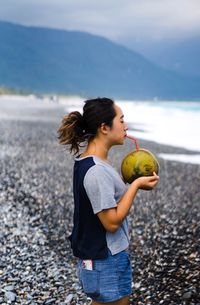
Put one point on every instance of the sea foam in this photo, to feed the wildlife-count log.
(170, 123)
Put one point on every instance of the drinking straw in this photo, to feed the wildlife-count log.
(135, 140)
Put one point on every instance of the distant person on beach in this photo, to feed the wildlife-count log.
(102, 201)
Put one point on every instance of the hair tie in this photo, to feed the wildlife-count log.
(81, 129)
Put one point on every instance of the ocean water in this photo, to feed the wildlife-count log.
(171, 123)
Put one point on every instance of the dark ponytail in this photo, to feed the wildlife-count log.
(76, 128)
(71, 131)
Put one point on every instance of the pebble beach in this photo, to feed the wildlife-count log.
(36, 204)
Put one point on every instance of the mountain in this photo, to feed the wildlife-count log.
(180, 56)
(70, 62)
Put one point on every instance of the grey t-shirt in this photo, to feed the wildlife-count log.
(104, 188)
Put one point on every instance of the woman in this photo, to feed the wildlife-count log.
(102, 201)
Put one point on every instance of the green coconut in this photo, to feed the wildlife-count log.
(137, 164)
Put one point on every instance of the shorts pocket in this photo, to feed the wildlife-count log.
(123, 262)
(90, 281)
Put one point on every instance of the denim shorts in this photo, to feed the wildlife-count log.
(110, 279)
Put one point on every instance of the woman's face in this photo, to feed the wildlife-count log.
(117, 132)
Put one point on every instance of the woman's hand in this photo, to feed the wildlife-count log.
(147, 183)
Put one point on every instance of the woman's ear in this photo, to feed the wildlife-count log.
(104, 128)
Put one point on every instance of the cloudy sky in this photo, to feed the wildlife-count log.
(136, 22)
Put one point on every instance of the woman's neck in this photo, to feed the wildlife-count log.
(97, 149)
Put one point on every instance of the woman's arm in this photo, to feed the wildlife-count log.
(112, 218)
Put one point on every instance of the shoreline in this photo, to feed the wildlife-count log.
(37, 266)
(51, 108)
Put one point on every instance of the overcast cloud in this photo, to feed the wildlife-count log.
(119, 20)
